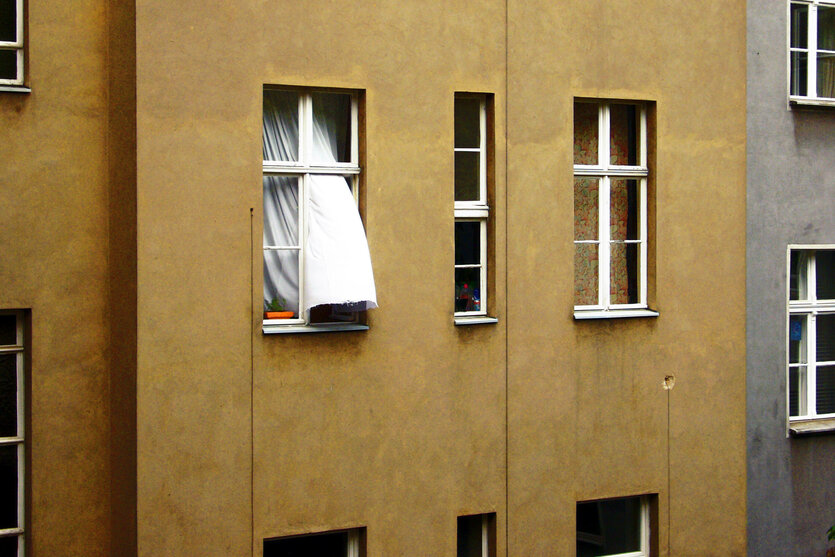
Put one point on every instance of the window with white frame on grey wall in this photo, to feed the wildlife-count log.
(473, 191)
(317, 265)
(811, 335)
(12, 434)
(611, 172)
(11, 42)
(812, 51)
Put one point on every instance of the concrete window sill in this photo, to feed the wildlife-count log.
(296, 329)
(801, 102)
(613, 313)
(809, 427)
(480, 320)
(14, 89)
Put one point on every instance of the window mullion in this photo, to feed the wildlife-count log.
(811, 370)
(604, 255)
(303, 204)
(482, 293)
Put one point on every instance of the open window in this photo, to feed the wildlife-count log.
(614, 527)
(317, 266)
(812, 52)
(340, 543)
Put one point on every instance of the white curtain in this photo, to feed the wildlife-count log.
(336, 257)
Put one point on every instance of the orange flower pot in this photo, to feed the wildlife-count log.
(278, 314)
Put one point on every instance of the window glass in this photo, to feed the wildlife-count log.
(331, 128)
(797, 391)
(8, 546)
(825, 395)
(8, 64)
(8, 20)
(467, 122)
(799, 73)
(467, 243)
(8, 486)
(8, 330)
(586, 133)
(623, 209)
(826, 28)
(319, 545)
(467, 293)
(281, 125)
(797, 275)
(826, 75)
(825, 345)
(623, 138)
(8, 395)
(475, 536)
(586, 263)
(825, 275)
(799, 26)
(467, 176)
(623, 280)
(797, 339)
(586, 213)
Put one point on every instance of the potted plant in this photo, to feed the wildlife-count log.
(276, 309)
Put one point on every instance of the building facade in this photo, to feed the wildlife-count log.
(791, 234)
(551, 196)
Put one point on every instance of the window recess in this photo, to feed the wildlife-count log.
(472, 208)
(317, 266)
(811, 335)
(812, 52)
(12, 434)
(610, 209)
(477, 535)
(614, 527)
(339, 543)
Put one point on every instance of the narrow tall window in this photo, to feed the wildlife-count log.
(11, 42)
(812, 50)
(610, 206)
(477, 535)
(472, 209)
(614, 527)
(811, 346)
(317, 266)
(12, 433)
(342, 543)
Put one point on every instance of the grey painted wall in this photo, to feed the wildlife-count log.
(791, 199)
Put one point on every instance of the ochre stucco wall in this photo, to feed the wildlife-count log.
(588, 416)
(53, 240)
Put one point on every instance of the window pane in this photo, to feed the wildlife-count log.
(8, 330)
(797, 339)
(617, 523)
(826, 75)
(319, 545)
(467, 176)
(8, 486)
(825, 275)
(467, 291)
(623, 281)
(8, 395)
(826, 28)
(797, 391)
(586, 132)
(467, 123)
(800, 72)
(331, 128)
(800, 26)
(8, 20)
(281, 281)
(797, 275)
(623, 209)
(623, 123)
(467, 243)
(281, 125)
(469, 536)
(825, 395)
(825, 345)
(585, 274)
(8, 64)
(8, 546)
(586, 209)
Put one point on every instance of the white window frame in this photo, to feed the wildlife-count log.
(303, 169)
(476, 211)
(18, 440)
(811, 50)
(645, 532)
(605, 172)
(16, 46)
(810, 308)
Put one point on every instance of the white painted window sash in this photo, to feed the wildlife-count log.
(811, 48)
(16, 46)
(605, 172)
(304, 168)
(19, 439)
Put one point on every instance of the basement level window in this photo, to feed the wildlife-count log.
(812, 52)
(338, 543)
(613, 527)
(477, 535)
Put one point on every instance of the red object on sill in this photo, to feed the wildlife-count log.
(278, 314)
